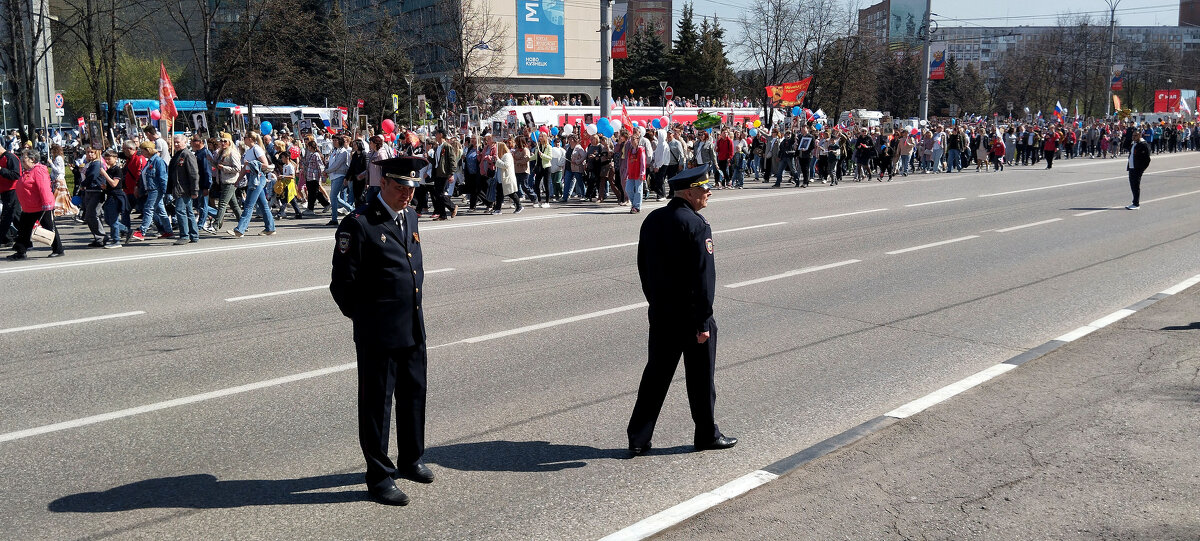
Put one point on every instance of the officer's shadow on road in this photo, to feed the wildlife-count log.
(1195, 325)
(205, 491)
(527, 456)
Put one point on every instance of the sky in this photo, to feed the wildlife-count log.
(989, 12)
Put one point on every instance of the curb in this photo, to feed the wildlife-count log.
(675, 515)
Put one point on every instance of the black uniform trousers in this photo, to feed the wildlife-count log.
(7, 215)
(1135, 185)
(667, 343)
(383, 374)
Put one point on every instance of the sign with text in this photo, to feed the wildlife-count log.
(1166, 101)
(937, 61)
(618, 32)
(540, 37)
(789, 94)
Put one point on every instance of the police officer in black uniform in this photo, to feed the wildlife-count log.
(377, 278)
(675, 262)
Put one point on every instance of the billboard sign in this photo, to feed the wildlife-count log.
(540, 37)
(1166, 101)
(905, 18)
(620, 18)
(937, 61)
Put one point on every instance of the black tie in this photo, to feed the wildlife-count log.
(400, 222)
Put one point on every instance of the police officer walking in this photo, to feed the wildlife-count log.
(377, 277)
(675, 262)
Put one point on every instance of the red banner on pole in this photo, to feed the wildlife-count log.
(1166, 101)
(789, 94)
(166, 94)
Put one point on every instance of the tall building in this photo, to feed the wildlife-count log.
(36, 17)
(540, 46)
(873, 21)
(1189, 13)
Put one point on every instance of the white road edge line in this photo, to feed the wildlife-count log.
(1016, 227)
(935, 202)
(1095, 211)
(846, 214)
(1096, 325)
(931, 245)
(621, 245)
(304, 289)
(70, 322)
(667, 518)
(1083, 182)
(791, 273)
(1168, 197)
(1175, 289)
(128, 412)
(940, 395)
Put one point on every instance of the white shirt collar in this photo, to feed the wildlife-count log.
(386, 206)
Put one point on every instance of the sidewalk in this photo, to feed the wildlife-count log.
(1099, 439)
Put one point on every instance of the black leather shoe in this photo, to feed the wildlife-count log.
(389, 496)
(16, 257)
(418, 472)
(56, 254)
(639, 450)
(722, 442)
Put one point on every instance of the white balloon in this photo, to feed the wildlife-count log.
(591, 129)
(616, 124)
(567, 130)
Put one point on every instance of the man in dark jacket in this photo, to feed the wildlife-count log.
(444, 167)
(376, 282)
(204, 164)
(183, 182)
(1139, 160)
(675, 262)
(10, 171)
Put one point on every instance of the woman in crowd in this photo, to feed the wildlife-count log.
(312, 170)
(37, 205)
(254, 169)
(63, 206)
(520, 159)
(506, 180)
(541, 181)
(635, 175)
(229, 168)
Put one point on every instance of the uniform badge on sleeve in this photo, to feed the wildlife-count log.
(343, 239)
(708, 244)
(382, 238)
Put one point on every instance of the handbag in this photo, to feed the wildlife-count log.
(42, 235)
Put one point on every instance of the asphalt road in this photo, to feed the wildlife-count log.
(193, 413)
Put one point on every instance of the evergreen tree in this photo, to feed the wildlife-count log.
(645, 66)
(716, 72)
(944, 92)
(685, 59)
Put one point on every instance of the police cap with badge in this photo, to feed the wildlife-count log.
(696, 177)
(403, 170)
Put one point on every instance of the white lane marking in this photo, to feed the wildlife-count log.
(759, 226)
(1177, 288)
(1096, 325)
(1169, 197)
(128, 412)
(304, 289)
(940, 395)
(936, 202)
(622, 245)
(846, 214)
(793, 273)
(274, 293)
(931, 245)
(555, 323)
(1095, 211)
(1016, 227)
(1084, 182)
(569, 252)
(667, 518)
(70, 322)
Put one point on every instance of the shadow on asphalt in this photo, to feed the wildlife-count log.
(527, 456)
(1194, 325)
(204, 491)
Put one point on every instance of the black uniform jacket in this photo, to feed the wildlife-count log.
(675, 262)
(377, 277)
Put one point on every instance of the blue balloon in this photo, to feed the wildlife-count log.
(265, 128)
(606, 130)
(796, 110)
(819, 126)
(656, 123)
(603, 122)
(753, 132)
(533, 136)
(553, 130)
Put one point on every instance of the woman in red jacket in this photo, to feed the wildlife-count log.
(37, 204)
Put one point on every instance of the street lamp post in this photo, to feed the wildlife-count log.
(408, 79)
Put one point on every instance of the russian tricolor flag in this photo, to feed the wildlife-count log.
(1058, 110)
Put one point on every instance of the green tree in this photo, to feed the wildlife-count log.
(716, 77)
(644, 67)
(944, 92)
(685, 58)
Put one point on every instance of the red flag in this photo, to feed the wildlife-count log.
(625, 118)
(166, 93)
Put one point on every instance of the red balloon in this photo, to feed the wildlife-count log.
(544, 129)
(294, 153)
(388, 125)
(155, 115)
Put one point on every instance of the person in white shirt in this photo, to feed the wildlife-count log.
(338, 165)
